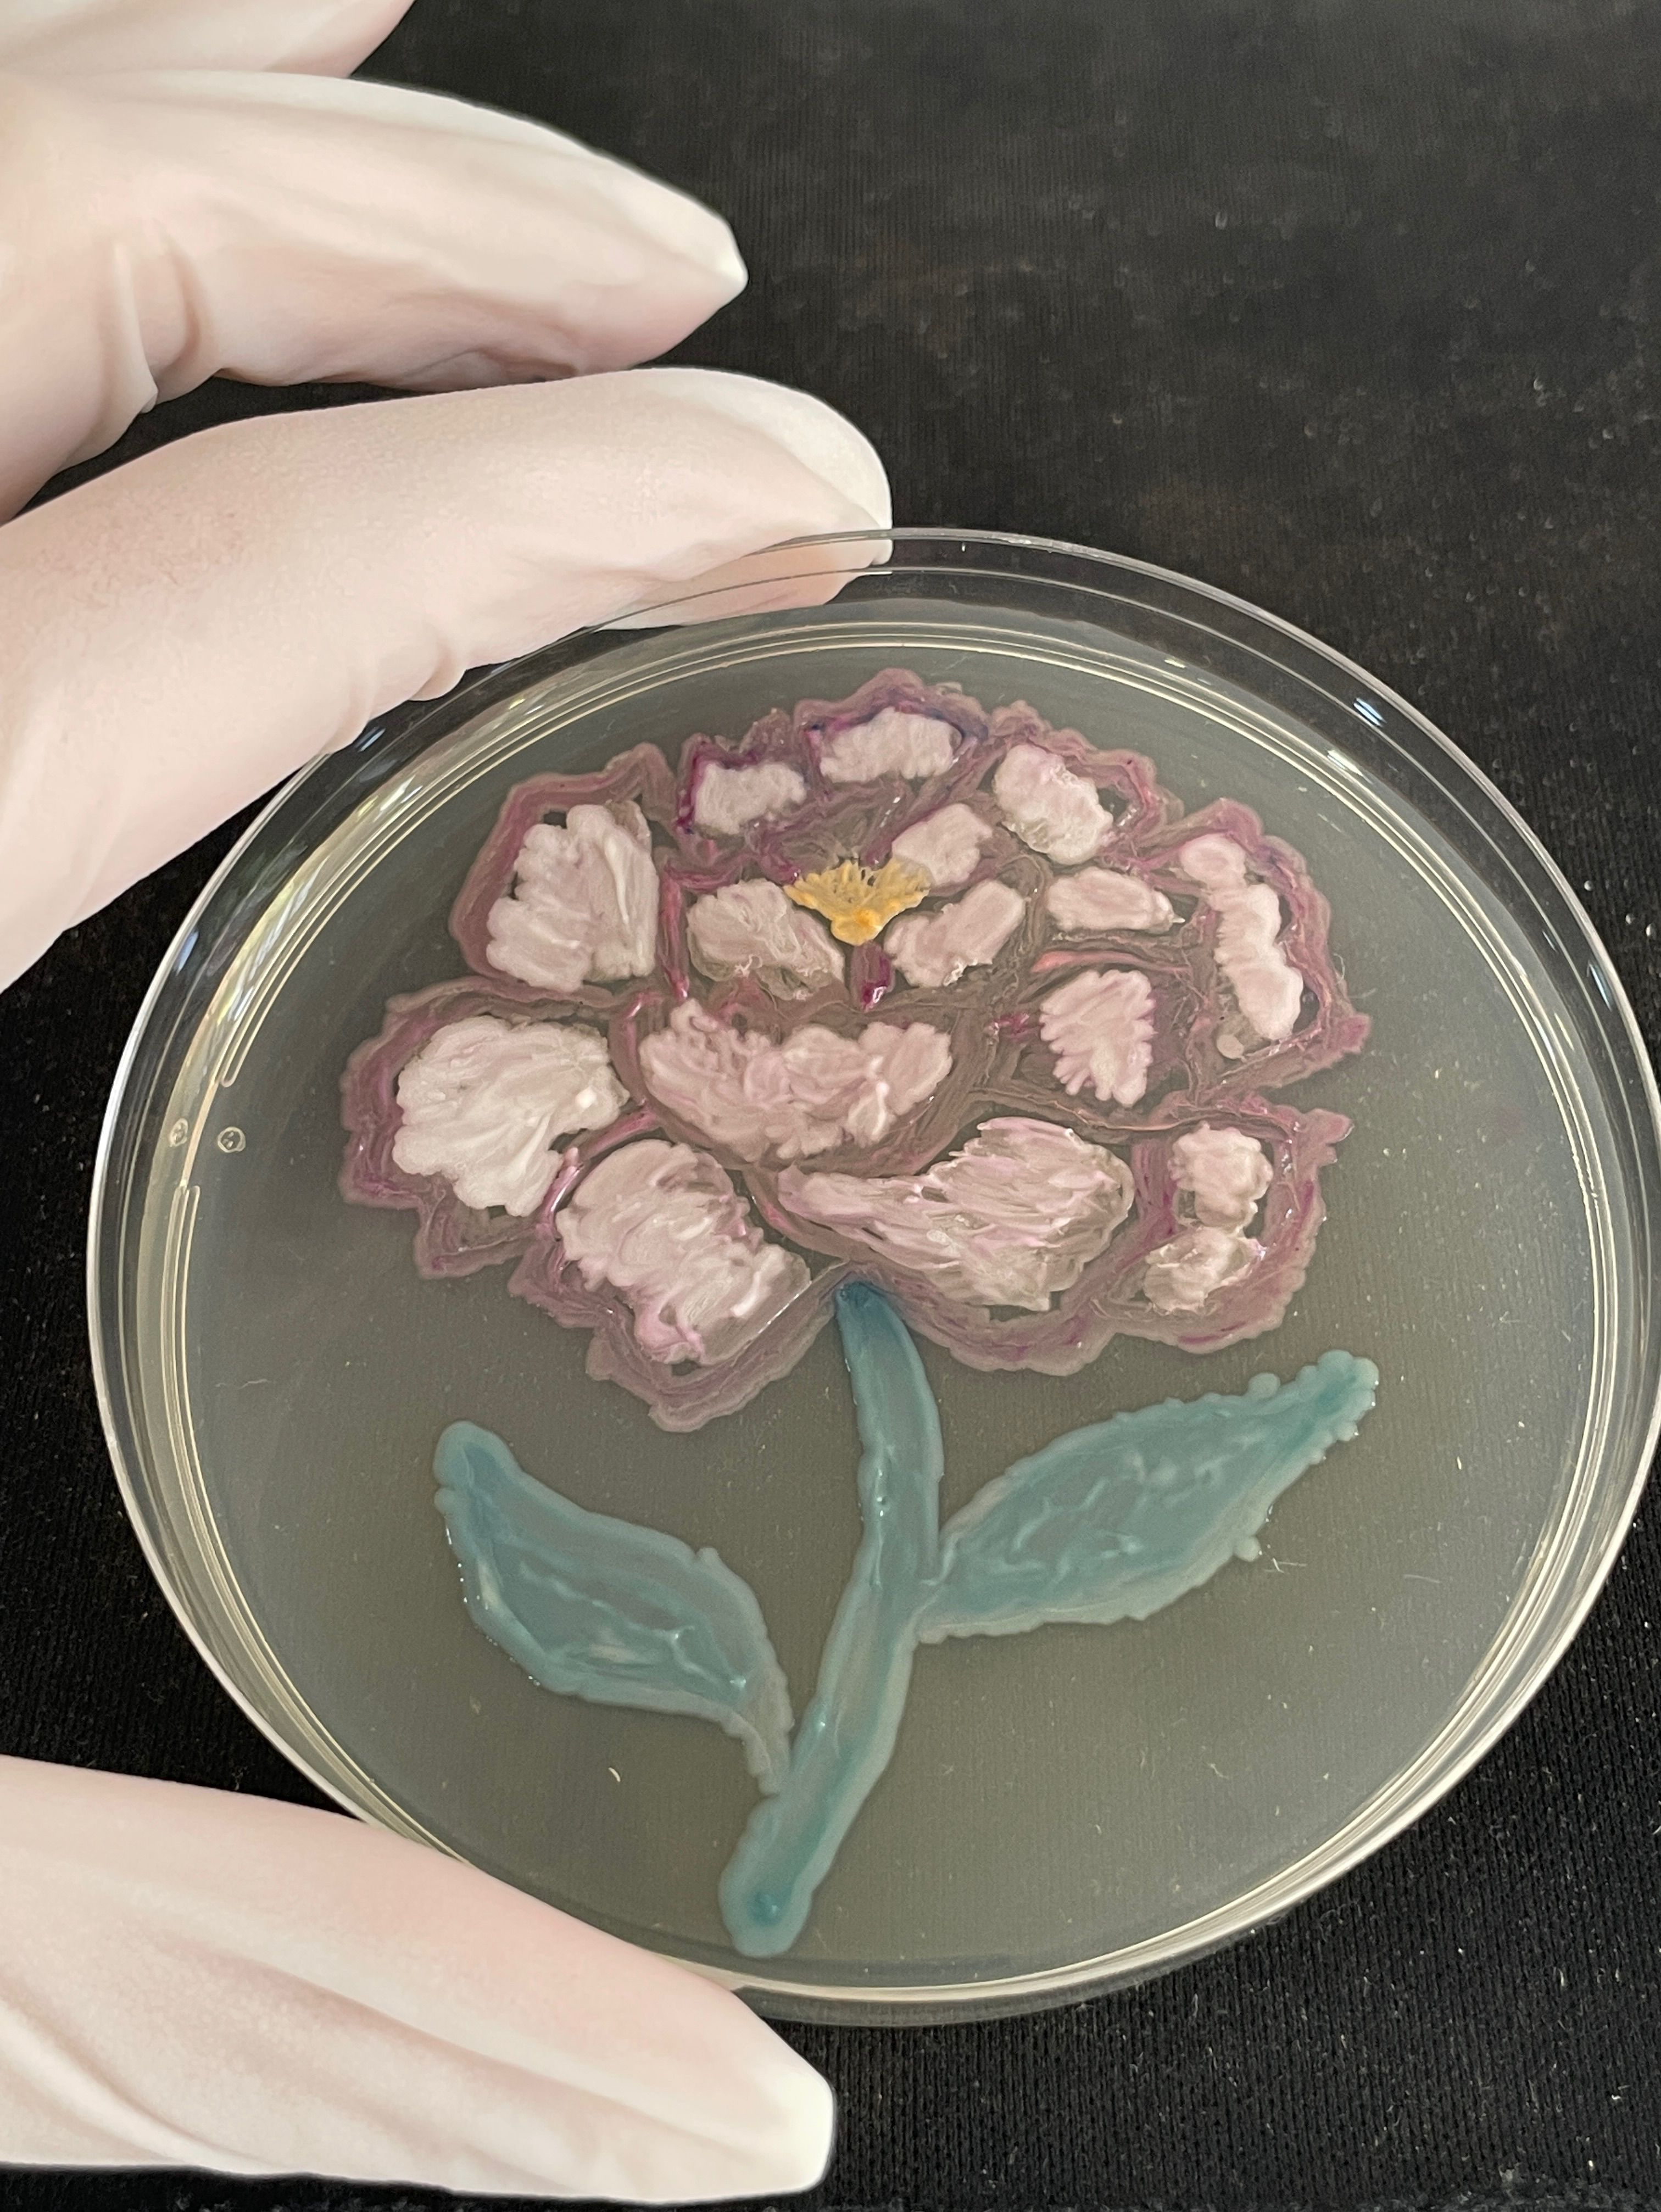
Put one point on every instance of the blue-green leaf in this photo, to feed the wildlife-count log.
(602, 1609)
(1113, 1521)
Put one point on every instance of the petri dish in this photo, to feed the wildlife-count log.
(1067, 1810)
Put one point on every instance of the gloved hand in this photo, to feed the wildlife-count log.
(187, 1978)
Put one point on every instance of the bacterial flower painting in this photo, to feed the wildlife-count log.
(937, 1020)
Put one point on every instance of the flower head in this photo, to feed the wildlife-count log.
(892, 987)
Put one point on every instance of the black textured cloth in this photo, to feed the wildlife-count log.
(1352, 306)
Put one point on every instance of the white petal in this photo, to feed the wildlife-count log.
(485, 1102)
(1014, 1217)
(1100, 1027)
(930, 949)
(584, 905)
(1182, 1275)
(859, 1085)
(1225, 1171)
(663, 1225)
(729, 799)
(892, 743)
(699, 1069)
(1266, 988)
(751, 929)
(1106, 898)
(946, 846)
(1047, 806)
(814, 1091)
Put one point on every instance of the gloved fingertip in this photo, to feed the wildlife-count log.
(789, 2123)
(801, 2155)
(809, 429)
(727, 266)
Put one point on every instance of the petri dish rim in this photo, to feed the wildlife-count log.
(1573, 1558)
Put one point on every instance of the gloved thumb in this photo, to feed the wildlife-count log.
(195, 1979)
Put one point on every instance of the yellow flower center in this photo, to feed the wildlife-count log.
(859, 902)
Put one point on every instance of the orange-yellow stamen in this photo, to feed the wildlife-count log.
(859, 902)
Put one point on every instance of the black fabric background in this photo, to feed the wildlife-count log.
(1351, 307)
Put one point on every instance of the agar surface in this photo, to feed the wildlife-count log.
(894, 988)
(933, 1018)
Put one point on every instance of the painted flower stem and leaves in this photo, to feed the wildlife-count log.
(1109, 1523)
(942, 1021)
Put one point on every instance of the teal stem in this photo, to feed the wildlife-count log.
(846, 1737)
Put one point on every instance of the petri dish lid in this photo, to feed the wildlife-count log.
(1066, 1811)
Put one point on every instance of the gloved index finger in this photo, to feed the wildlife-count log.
(182, 633)
(170, 226)
(326, 37)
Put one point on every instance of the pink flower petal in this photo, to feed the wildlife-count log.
(1100, 1027)
(452, 1237)
(1102, 899)
(485, 1103)
(662, 1226)
(1240, 1298)
(729, 799)
(946, 846)
(892, 743)
(1014, 1217)
(933, 950)
(1182, 1277)
(1268, 988)
(1047, 806)
(813, 1091)
(636, 782)
(750, 928)
(584, 905)
(1225, 1171)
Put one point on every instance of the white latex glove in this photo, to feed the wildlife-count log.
(187, 1978)
(191, 1979)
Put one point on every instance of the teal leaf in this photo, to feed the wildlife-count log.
(1111, 1523)
(598, 1608)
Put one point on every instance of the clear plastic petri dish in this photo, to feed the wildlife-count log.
(1065, 1810)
